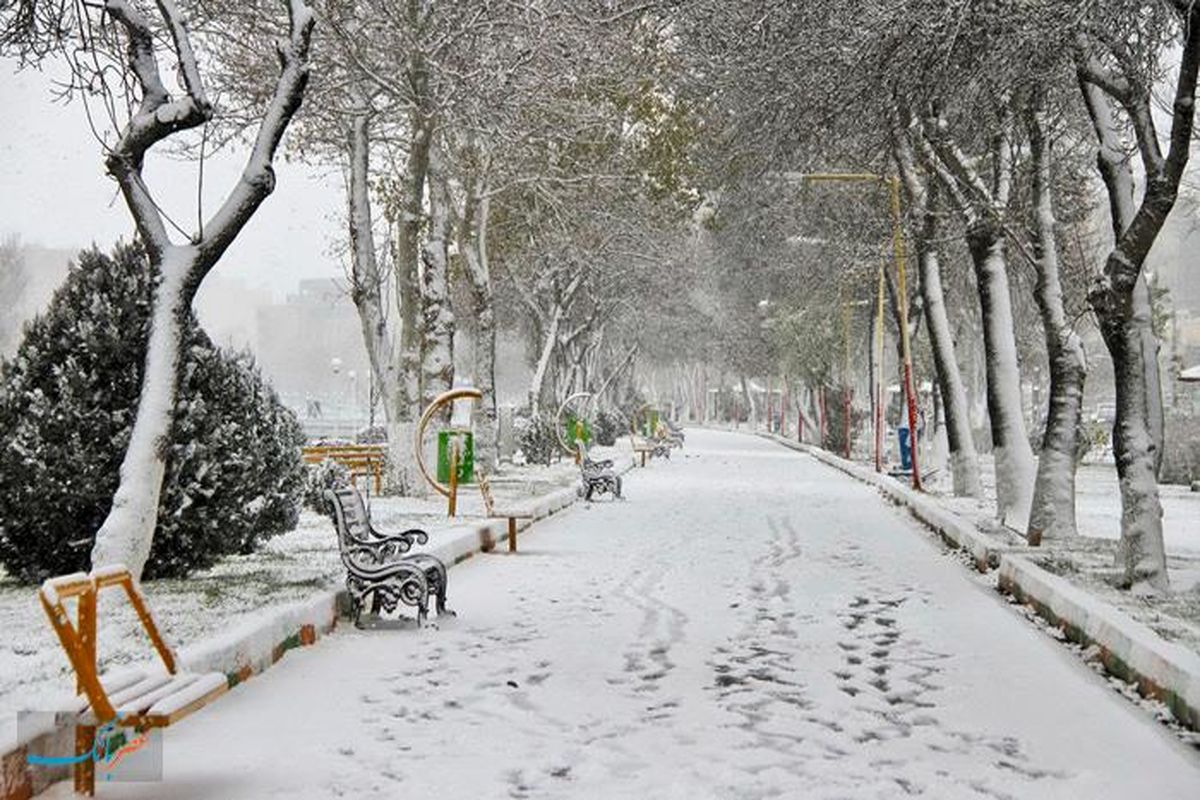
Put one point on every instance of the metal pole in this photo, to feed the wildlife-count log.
(452, 498)
(893, 184)
(846, 427)
(879, 373)
(898, 247)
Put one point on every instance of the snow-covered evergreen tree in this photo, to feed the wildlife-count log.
(67, 403)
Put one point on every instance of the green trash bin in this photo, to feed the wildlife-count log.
(651, 424)
(466, 456)
(572, 434)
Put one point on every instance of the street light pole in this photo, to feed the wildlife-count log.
(898, 245)
(892, 183)
(879, 372)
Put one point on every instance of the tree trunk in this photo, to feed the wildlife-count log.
(403, 474)
(1053, 512)
(1141, 553)
(367, 280)
(1113, 165)
(437, 331)
(127, 533)
(473, 244)
(1015, 466)
(1119, 298)
(964, 461)
(538, 384)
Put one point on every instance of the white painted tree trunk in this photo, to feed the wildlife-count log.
(1015, 463)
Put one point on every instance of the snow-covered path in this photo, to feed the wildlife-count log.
(748, 624)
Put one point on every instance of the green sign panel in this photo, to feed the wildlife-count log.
(466, 455)
(651, 424)
(578, 429)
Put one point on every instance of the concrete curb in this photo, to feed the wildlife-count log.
(260, 641)
(1127, 649)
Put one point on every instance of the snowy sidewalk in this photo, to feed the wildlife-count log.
(748, 624)
(237, 594)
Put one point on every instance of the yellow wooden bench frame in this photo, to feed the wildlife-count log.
(362, 460)
(79, 642)
(489, 503)
(642, 448)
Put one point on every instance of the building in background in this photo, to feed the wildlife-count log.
(310, 348)
(227, 308)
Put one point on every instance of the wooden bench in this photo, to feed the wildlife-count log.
(135, 699)
(379, 567)
(648, 447)
(362, 460)
(512, 515)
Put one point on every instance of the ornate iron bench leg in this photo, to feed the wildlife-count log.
(356, 600)
(435, 576)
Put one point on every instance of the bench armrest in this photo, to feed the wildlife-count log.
(412, 536)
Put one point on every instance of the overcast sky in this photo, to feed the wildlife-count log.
(53, 192)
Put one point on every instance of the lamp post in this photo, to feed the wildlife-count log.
(892, 184)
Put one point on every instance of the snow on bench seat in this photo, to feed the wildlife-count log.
(165, 698)
(67, 707)
(206, 688)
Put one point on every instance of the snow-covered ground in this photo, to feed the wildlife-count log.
(1098, 501)
(1098, 506)
(748, 624)
(290, 567)
(1087, 561)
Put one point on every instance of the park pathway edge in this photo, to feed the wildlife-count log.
(1128, 650)
(258, 643)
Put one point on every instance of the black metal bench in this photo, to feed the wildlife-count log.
(675, 435)
(598, 478)
(379, 567)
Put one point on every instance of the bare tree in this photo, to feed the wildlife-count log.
(103, 31)
(1053, 509)
(1117, 59)
(924, 200)
(984, 207)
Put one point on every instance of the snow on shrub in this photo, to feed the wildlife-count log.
(318, 479)
(609, 426)
(536, 438)
(234, 475)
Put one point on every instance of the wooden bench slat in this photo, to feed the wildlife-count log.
(139, 704)
(146, 685)
(204, 690)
